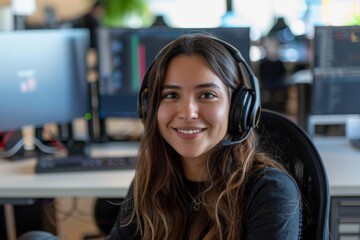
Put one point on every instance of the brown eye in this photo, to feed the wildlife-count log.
(208, 95)
(170, 95)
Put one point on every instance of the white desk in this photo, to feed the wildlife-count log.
(342, 163)
(18, 179)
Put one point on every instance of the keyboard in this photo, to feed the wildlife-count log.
(77, 163)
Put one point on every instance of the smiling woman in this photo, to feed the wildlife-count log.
(200, 173)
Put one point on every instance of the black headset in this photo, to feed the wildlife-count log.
(245, 105)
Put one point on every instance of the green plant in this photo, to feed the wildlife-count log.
(119, 13)
(355, 20)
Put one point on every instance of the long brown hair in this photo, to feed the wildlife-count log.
(159, 180)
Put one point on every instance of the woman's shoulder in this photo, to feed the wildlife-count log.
(272, 191)
(273, 205)
(272, 173)
(274, 181)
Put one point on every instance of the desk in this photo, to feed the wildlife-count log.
(18, 180)
(342, 163)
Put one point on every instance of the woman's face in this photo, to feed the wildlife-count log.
(194, 108)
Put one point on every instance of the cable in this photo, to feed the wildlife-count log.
(54, 139)
(12, 151)
(44, 148)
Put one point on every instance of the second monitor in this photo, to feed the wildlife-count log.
(126, 54)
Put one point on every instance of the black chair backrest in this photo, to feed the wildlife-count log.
(291, 146)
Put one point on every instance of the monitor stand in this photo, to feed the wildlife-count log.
(77, 147)
(74, 147)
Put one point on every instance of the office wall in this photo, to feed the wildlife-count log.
(65, 9)
(4, 2)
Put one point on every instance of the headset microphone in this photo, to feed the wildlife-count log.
(229, 142)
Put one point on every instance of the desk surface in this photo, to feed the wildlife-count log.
(342, 163)
(17, 179)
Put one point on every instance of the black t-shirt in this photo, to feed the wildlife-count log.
(272, 209)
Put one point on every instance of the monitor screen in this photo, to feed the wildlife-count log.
(43, 77)
(126, 54)
(336, 70)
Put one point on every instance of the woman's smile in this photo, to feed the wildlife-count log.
(189, 133)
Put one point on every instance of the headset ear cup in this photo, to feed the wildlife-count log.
(143, 103)
(240, 110)
(143, 97)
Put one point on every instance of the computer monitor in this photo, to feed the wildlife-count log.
(336, 70)
(43, 77)
(126, 54)
(336, 74)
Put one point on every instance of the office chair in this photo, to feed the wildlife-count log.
(291, 146)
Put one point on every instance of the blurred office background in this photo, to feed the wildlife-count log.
(280, 30)
(281, 34)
